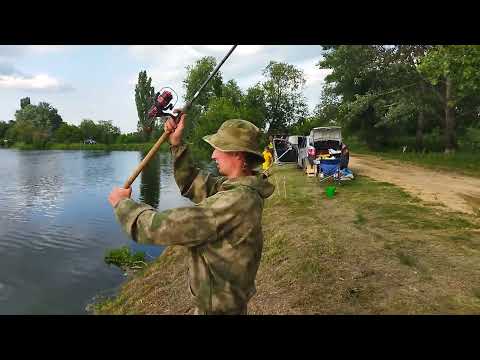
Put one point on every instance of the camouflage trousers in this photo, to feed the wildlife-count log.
(241, 311)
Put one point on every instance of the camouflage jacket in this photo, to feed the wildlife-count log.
(222, 231)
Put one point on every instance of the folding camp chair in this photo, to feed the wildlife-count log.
(330, 168)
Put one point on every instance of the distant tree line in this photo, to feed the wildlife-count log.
(423, 96)
(41, 124)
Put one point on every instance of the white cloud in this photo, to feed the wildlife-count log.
(13, 51)
(313, 74)
(37, 82)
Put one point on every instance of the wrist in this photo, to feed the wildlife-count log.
(119, 201)
(175, 143)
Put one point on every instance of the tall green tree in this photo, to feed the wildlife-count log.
(24, 102)
(42, 116)
(3, 128)
(382, 94)
(68, 133)
(455, 69)
(36, 123)
(196, 75)
(254, 107)
(89, 130)
(232, 91)
(285, 102)
(144, 98)
(354, 78)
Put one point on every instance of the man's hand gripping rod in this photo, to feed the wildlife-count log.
(176, 117)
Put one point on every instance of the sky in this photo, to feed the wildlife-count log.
(98, 81)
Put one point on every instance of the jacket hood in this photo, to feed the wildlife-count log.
(258, 182)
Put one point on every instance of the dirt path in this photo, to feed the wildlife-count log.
(456, 192)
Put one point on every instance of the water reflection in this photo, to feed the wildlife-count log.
(56, 224)
(150, 181)
(96, 154)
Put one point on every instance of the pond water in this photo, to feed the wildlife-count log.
(56, 225)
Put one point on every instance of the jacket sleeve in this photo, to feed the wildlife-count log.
(186, 226)
(193, 183)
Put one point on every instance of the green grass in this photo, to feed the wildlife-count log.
(372, 249)
(125, 259)
(407, 259)
(476, 292)
(360, 219)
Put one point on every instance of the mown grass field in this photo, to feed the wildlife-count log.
(372, 249)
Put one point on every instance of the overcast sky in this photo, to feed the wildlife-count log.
(98, 82)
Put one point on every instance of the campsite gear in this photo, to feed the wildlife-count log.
(322, 143)
(346, 174)
(330, 166)
(330, 191)
(311, 169)
(164, 104)
(330, 169)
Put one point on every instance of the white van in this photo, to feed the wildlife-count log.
(320, 141)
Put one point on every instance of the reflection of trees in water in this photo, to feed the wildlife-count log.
(95, 153)
(150, 181)
(41, 178)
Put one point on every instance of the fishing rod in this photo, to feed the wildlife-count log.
(163, 107)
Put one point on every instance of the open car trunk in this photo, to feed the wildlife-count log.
(325, 138)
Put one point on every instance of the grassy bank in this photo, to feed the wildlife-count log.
(81, 146)
(462, 162)
(372, 249)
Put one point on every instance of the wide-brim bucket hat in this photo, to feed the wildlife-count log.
(237, 135)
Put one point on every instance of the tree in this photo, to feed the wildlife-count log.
(89, 130)
(232, 92)
(283, 96)
(219, 110)
(24, 102)
(196, 75)
(3, 129)
(382, 95)
(67, 134)
(144, 98)
(253, 106)
(43, 117)
(455, 69)
(107, 131)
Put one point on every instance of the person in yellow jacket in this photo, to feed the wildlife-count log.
(267, 156)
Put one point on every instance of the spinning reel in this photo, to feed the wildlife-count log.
(162, 106)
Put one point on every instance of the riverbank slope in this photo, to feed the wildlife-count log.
(372, 249)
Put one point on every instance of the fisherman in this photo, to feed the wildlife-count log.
(223, 231)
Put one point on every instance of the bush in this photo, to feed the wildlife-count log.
(125, 259)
